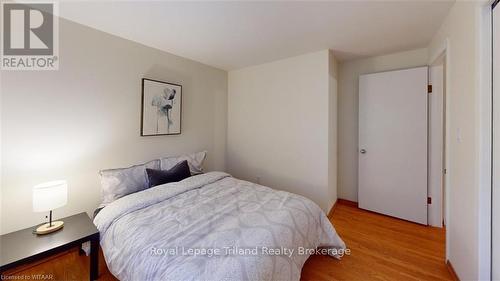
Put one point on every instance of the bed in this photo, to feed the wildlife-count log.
(213, 227)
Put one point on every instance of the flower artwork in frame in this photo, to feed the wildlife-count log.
(161, 108)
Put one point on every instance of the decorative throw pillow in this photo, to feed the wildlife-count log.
(116, 183)
(177, 173)
(195, 162)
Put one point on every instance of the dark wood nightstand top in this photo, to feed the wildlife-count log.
(25, 246)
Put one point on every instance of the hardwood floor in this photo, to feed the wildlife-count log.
(66, 266)
(382, 248)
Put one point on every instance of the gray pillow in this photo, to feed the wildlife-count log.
(116, 183)
(195, 162)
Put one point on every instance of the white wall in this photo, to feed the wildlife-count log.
(460, 31)
(332, 127)
(278, 125)
(485, 101)
(86, 116)
(348, 111)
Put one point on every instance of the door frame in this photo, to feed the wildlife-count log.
(486, 78)
(432, 212)
(443, 52)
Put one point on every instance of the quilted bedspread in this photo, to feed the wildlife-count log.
(213, 227)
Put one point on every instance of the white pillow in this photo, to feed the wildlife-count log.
(116, 183)
(195, 161)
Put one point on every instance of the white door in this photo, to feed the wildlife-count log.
(496, 147)
(393, 143)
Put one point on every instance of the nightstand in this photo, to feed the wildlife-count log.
(24, 246)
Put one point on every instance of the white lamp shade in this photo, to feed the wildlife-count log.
(50, 195)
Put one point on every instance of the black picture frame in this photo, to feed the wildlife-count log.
(143, 104)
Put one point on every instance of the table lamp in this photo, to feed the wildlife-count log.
(47, 197)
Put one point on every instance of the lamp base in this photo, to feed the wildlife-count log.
(46, 228)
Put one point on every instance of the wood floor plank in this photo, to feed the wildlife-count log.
(382, 248)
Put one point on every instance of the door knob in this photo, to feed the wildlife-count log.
(362, 151)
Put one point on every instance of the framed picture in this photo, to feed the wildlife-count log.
(161, 108)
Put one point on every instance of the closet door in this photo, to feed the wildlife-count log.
(393, 143)
(496, 146)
